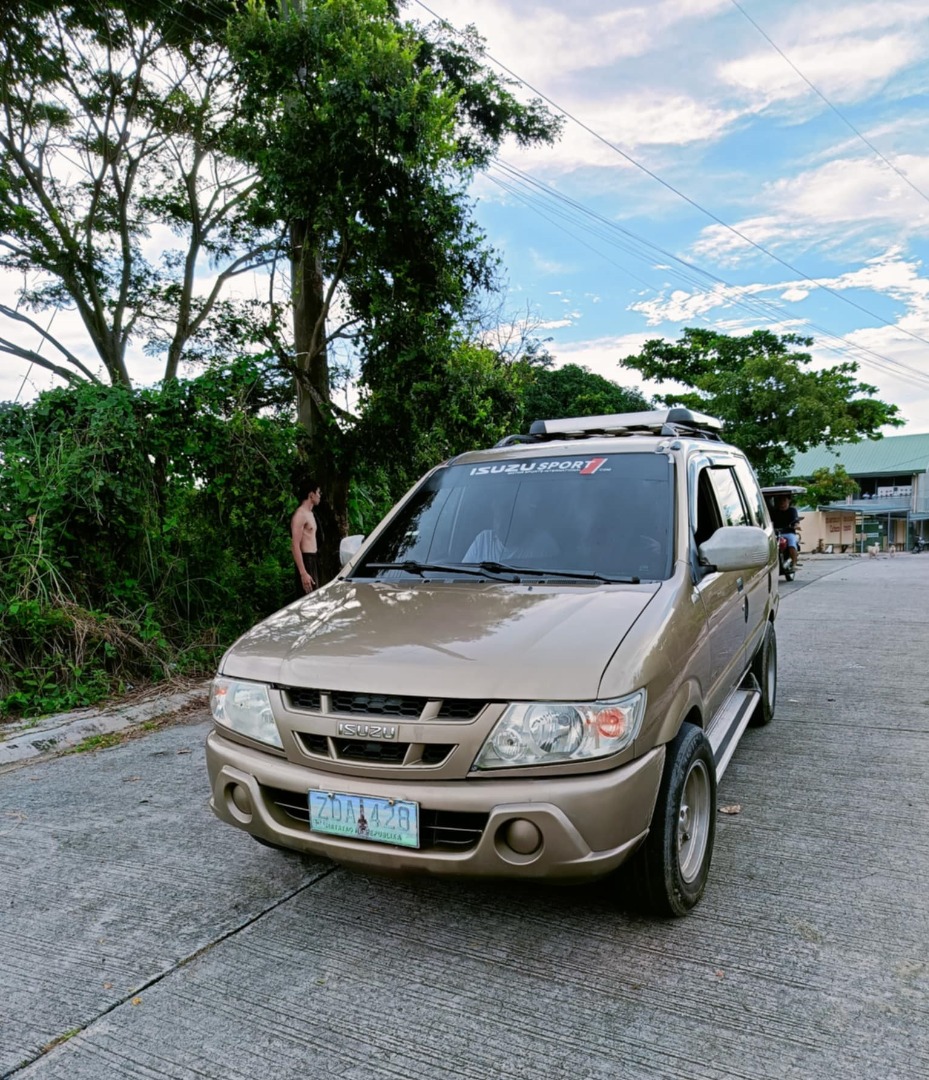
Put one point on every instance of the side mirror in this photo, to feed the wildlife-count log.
(349, 547)
(737, 547)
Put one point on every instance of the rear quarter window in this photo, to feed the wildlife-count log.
(729, 497)
(752, 492)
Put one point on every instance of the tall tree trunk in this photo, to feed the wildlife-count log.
(313, 393)
(310, 350)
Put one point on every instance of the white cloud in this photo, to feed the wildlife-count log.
(547, 266)
(891, 357)
(849, 69)
(546, 42)
(889, 274)
(840, 201)
(602, 355)
(656, 118)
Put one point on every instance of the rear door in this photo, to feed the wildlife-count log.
(761, 583)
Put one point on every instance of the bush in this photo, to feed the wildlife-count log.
(140, 531)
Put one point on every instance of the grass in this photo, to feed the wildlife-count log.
(97, 742)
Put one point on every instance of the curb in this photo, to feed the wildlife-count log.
(52, 734)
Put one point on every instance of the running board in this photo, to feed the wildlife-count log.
(729, 724)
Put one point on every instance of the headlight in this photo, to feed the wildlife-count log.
(246, 708)
(542, 733)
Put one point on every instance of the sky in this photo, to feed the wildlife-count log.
(734, 166)
(723, 164)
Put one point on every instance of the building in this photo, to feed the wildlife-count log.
(892, 473)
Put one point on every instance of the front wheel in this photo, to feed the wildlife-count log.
(667, 875)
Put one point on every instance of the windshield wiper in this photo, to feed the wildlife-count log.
(535, 571)
(410, 566)
(498, 571)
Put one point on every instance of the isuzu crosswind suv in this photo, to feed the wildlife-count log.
(537, 666)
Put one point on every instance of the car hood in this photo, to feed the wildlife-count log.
(448, 639)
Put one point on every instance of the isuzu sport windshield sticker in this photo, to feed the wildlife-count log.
(583, 467)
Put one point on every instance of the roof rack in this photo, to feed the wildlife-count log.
(674, 421)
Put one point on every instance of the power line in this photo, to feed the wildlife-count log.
(692, 274)
(682, 195)
(822, 96)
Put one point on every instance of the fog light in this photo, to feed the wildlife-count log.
(241, 799)
(522, 837)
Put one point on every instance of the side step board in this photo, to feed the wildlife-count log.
(728, 725)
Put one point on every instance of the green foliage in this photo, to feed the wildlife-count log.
(827, 485)
(140, 531)
(113, 119)
(365, 132)
(97, 742)
(773, 406)
(465, 399)
(573, 390)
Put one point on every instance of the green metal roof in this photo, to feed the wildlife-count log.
(892, 455)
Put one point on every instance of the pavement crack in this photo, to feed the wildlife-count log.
(185, 961)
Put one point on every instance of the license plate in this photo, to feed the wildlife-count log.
(364, 817)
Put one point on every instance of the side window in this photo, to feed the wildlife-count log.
(708, 519)
(733, 510)
(752, 493)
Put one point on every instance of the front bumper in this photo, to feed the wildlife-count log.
(585, 824)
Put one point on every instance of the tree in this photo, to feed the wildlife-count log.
(112, 122)
(365, 131)
(574, 390)
(759, 385)
(827, 485)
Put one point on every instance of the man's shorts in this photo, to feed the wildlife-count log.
(310, 565)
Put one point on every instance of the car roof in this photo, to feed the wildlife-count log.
(613, 433)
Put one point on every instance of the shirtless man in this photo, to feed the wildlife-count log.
(303, 537)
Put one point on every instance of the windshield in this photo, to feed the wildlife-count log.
(605, 516)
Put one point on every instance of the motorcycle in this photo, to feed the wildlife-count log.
(786, 572)
(771, 495)
(919, 544)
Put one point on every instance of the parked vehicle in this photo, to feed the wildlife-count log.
(538, 666)
(786, 566)
(919, 544)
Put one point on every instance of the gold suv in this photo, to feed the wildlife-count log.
(538, 665)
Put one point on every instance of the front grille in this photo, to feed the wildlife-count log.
(460, 709)
(369, 751)
(381, 753)
(401, 706)
(377, 705)
(439, 830)
(435, 753)
(450, 830)
(316, 744)
(304, 699)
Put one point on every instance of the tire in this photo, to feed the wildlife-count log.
(764, 668)
(667, 875)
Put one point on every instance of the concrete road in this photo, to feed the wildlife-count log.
(141, 938)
